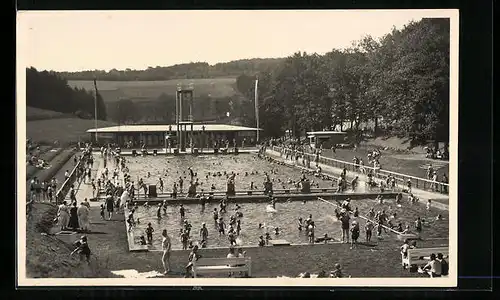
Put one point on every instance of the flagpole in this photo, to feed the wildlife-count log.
(95, 110)
(257, 107)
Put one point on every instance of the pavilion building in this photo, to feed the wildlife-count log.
(202, 135)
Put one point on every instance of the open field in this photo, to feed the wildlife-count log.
(136, 90)
(65, 130)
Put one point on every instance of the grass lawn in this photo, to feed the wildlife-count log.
(65, 130)
(113, 90)
(48, 257)
(408, 164)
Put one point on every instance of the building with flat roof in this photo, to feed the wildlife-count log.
(202, 135)
(326, 138)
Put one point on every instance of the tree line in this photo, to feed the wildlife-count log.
(48, 90)
(399, 83)
(179, 71)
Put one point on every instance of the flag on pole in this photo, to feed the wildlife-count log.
(95, 109)
(257, 107)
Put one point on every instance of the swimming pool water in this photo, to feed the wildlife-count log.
(286, 218)
(171, 168)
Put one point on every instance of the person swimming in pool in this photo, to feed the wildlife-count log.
(223, 205)
(158, 212)
(164, 207)
(215, 215)
(182, 211)
(268, 238)
(221, 225)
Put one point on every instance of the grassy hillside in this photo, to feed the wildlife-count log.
(48, 257)
(147, 90)
(64, 130)
(33, 113)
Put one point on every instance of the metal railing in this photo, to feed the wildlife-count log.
(66, 186)
(401, 179)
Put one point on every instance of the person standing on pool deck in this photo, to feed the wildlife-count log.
(166, 245)
(73, 217)
(110, 206)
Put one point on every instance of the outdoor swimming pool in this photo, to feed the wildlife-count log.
(285, 217)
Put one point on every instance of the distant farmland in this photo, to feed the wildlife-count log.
(66, 130)
(147, 90)
(33, 113)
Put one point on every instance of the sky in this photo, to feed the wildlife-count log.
(88, 40)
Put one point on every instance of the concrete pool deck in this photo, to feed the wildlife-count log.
(242, 198)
